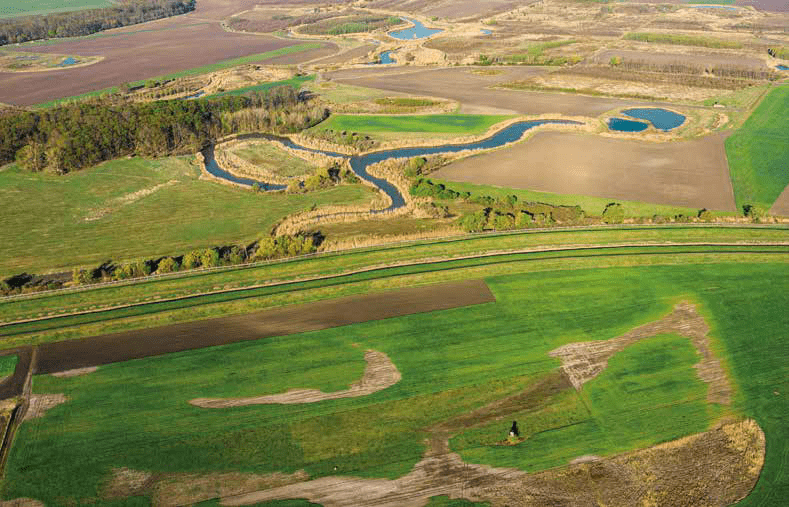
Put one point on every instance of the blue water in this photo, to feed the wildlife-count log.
(662, 119)
(726, 7)
(68, 61)
(360, 163)
(386, 58)
(782, 67)
(622, 125)
(195, 95)
(418, 31)
(486, 32)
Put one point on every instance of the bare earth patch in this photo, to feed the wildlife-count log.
(583, 361)
(717, 467)
(76, 372)
(21, 502)
(40, 403)
(379, 374)
(118, 202)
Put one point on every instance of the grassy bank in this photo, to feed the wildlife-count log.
(294, 82)
(682, 40)
(472, 356)
(87, 217)
(758, 152)
(465, 124)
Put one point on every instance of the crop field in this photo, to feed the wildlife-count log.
(684, 173)
(172, 47)
(758, 153)
(452, 362)
(11, 8)
(270, 158)
(443, 123)
(151, 200)
(7, 365)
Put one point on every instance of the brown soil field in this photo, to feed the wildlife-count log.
(379, 374)
(347, 56)
(583, 361)
(142, 51)
(688, 57)
(680, 173)
(14, 385)
(473, 90)
(111, 348)
(781, 205)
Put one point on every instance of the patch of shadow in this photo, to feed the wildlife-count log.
(583, 361)
(379, 374)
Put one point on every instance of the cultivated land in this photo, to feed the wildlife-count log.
(645, 364)
(440, 381)
(758, 154)
(11, 8)
(684, 173)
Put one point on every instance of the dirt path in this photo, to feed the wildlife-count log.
(379, 374)
(583, 361)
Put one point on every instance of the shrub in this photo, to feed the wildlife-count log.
(168, 265)
(613, 213)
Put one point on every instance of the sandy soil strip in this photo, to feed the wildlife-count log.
(715, 468)
(583, 361)
(41, 403)
(76, 372)
(379, 374)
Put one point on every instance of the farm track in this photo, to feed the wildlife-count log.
(54, 321)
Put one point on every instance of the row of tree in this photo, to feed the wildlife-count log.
(86, 22)
(78, 135)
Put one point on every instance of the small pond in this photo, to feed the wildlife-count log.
(359, 163)
(623, 125)
(486, 32)
(782, 67)
(385, 58)
(662, 119)
(724, 7)
(418, 31)
(195, 95)
(68, 61)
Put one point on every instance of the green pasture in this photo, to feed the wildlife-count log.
(592, 206)
(249, 299)
(135, 414)
(758, 152)
(271, 158)
(466, 124)
(13, 8)
(7, 365)
(294, 82)
(52, 222)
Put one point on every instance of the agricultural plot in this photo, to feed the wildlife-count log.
(758, 154)
(683, 173)
(152, 201)
(12, 8)
(446, 123)
(474, 360)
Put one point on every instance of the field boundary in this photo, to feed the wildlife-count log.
(380, 247)
(368, 269)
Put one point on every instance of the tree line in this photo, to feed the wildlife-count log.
(73, 136)
(88, 21)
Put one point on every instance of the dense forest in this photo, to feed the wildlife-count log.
(82, 134)
(88, 21)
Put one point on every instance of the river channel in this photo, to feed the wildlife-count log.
(360, 163)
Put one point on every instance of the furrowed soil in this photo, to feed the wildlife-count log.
(143, 51)
(683, 173)
(781, 205)
(474, 89)
(69, 355)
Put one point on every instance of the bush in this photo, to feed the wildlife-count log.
(613, 213)
(168, 265)
(191, 260)
(705, 215)
(755, 213)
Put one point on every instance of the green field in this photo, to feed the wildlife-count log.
(12, 8)
(7, 365)
(295, 82)
(451, 362)
(465, 124)
(54, 222)
(759, 152)
(270, 158)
